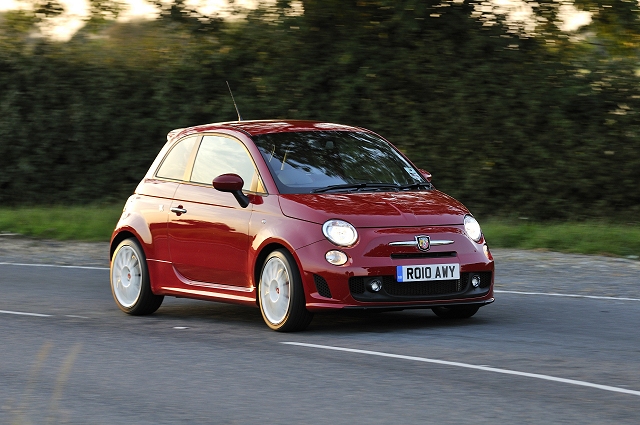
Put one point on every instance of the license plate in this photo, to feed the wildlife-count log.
(427, 272)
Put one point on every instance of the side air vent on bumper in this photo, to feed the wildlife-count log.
(322, 286)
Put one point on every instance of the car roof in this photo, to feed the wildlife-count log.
(258, 127)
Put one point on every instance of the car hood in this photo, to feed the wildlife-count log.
(375, 209)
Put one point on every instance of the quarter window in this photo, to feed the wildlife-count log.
(175, 163)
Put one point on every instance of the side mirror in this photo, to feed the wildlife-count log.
(425, 174)
(232, 183)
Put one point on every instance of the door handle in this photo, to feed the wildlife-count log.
(178, 210)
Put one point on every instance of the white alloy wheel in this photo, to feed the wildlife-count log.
(126, 276)
(275, 290)
(281, 294)
(130, 283)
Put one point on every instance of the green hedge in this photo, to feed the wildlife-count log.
(506, 123)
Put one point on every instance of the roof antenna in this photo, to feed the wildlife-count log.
(234, 102)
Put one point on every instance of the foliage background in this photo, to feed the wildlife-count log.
(511, 121)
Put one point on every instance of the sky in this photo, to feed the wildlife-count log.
(76, 11)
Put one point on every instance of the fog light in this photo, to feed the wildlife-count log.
(374, 285)
(335, 257)
(475, 280)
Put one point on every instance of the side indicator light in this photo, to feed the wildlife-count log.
(335, 257)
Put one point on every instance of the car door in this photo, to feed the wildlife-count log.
(208, 230)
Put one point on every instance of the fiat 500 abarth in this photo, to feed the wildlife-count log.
(295, 217)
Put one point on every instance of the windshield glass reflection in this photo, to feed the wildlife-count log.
(302, 162)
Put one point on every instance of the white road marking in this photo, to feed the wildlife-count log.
(54, 265)
(554, 294)
(76, 317)
(471, 366)
(22, 313)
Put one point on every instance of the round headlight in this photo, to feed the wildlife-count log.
(472, 228)
(340, 232)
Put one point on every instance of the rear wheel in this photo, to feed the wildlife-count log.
(130, 284)
(456, 311)
(281, 296)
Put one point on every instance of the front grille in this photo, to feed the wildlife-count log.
(485, 279)
(402, 256)
(322, 286)
(356, 285)
(421, 290)
(410, 289)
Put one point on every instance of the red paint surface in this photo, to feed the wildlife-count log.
(376, 209)
(214, 250)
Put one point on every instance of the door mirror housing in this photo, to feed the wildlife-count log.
(232, 183)
(425, 174)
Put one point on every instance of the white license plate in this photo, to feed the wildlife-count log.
(427, 272)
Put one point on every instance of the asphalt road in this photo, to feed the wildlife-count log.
(541, 359)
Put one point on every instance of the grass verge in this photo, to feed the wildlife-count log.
(85, 223)
(617, 239)
(95, 223)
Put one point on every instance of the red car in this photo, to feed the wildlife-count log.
(295, 217)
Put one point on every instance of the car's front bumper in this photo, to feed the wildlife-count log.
(329, 287)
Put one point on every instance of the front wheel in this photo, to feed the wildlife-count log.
(130, 280)
(456, 311)
(281, 296)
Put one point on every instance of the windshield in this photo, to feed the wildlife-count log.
(323, 161)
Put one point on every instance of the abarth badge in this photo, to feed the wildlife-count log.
(423, 243)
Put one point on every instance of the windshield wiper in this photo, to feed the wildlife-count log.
(373, 186)
(426, 185)
(356, 187)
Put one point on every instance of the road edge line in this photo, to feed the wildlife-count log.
(470, 366)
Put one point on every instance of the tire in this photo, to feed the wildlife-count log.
(280, 293)
(130, 284)
(456, 311)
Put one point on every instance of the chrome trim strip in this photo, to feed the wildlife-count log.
(220, 286)
(207, 294)
(415, 243)
(442, 242)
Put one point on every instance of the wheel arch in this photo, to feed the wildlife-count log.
(146, 301)
(264, 252)
(125, 234)
(297, 317)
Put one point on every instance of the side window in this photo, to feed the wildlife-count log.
(175, 163)
(220, 155)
